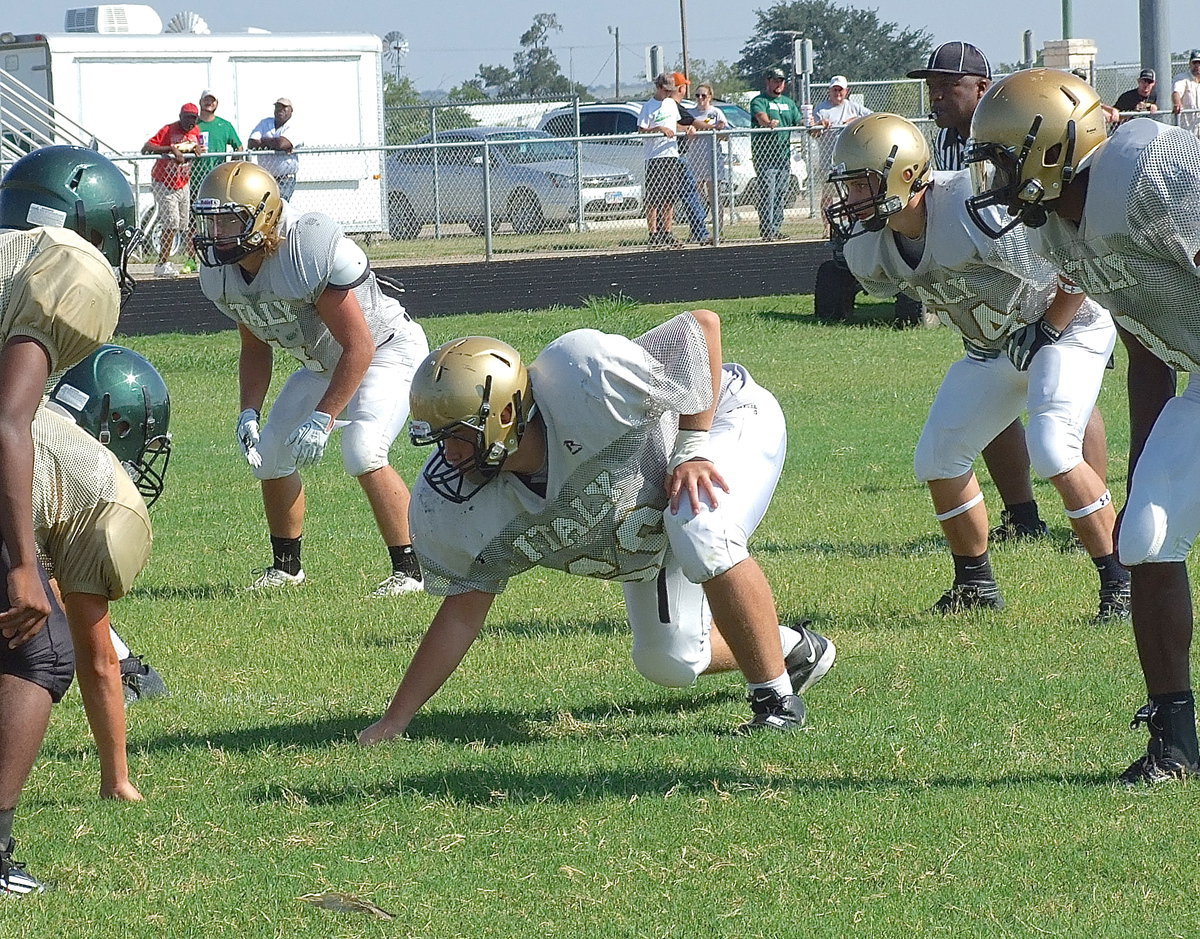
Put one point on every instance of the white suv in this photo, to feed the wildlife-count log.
(610, 120)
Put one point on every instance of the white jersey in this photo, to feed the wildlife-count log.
(279, 304)
(983, 287)
(1134, 249)
(611, 407)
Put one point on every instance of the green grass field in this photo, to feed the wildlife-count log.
(956, 779)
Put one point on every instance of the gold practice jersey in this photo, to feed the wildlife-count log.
(611, 406)
(1134, 249)
(90, 522)
(58, 290)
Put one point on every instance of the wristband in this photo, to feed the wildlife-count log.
(689, 445)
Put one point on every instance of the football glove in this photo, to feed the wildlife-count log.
(307, 442)
(247, 435)
(1023, 345)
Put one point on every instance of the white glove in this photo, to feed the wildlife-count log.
(247, 435)
(308, 441)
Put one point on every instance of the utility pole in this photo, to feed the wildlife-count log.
(683, 33)
(615, 32)
(1066, 19)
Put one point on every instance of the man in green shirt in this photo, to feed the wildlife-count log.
(218, 135)
(772, 153)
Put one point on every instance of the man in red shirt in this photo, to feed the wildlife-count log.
(178, 142)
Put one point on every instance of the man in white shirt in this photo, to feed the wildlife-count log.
(278, 137)
(1185, 95)
(664, 172)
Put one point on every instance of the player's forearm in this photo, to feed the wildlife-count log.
(16, 493)
(710, 325)
(1063, 308)
(254, 375)
(347, 375)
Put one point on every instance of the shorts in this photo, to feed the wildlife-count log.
(664, 180)
(174, 209)
(48, 659)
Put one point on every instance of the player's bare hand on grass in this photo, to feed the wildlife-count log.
(379, 732)
(695, 478)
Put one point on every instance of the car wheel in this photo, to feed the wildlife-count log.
(402, 221)
(749, 195)
(477, 225)
(525, 214)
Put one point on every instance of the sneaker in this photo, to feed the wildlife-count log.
(1114, 603)
(772, 711)
(1162, 761)
(14, 879)
(397, 585)
(976, 595)
(273, 577)
(140, 681)
(809, 659)
(166, 269)
(1008, 530)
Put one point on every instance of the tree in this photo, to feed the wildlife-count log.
(535, 69)
(846, 41)
(408, 116)
(725, 78)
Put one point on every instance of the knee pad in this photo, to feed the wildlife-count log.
(1054, 446)
(277, 460)
(1144, 535)
(363, 449)
(707, 543)
(936, 459)
(661, 666)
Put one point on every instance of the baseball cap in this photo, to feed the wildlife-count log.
(665, 81)
(955, 58)
(189, 108)
(840, 81)
(1194, 56)
(209, 93)
(775, 73)
(286, 102)
(1148, 74)
(681, 80)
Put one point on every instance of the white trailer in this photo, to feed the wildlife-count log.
(121, 88)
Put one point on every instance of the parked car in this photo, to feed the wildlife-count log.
(532, 180)
(609, 119)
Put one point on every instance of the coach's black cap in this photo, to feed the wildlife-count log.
(955, 58)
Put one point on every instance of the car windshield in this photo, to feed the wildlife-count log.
(532, 151)
(737, 116)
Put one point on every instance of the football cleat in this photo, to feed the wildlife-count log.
(273, 577)
(1162, 761)
(976, 595)
(141, 681)
(1114, 603)
(809, 659)
(773, 711)
(1009, 530)
(398, 584)
(14, 879)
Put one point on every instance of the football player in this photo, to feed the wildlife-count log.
(299, 284)
(66, 227)
(1029, 342)
(956, 77)
(1118, 216)
(644, 461)
(91, 523)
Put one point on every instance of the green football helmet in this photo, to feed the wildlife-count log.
(119, 398)
(75, 188)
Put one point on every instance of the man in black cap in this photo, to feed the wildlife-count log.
(1144, 97)
(957, 75)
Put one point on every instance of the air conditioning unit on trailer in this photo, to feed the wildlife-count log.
(127, 18)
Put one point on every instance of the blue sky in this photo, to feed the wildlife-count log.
(447, 44)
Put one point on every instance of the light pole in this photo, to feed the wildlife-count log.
(683, 33)
(615, 32)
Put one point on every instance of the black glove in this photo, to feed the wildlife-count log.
(1023, 345)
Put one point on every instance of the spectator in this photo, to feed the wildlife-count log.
(178, 143)
(699, 155)
(1143, 97)
(689, 189)
(772, 153)
(217, 135)
(1185, 96)
(280, 137)
(829, 117)
(664, 170)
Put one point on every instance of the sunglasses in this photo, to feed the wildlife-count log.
(703, 95)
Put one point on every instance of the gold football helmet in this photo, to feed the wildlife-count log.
(1032, 133)
(879, 162)
(236, 212)
(474, 389)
